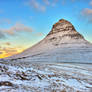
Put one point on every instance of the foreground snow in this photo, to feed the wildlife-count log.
(45, 77)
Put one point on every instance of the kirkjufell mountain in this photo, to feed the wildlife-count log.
(62, 44)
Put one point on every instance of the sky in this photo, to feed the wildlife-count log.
(23, 23)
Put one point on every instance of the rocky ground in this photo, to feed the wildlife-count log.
(45, 77)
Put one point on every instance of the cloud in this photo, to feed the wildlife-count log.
(8, 43)
(9, 50)
(36, 5)
(90, 3)
(54, 2)
(50, 3)
(19, 27)
(2, 31)
(46, 2)
(5, 52)
(16, 28)
(1, 52)
(87, 14)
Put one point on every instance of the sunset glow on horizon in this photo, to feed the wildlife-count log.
(10, 51)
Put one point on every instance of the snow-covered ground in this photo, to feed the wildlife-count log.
(17, 76)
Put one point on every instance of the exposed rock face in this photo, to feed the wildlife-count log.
(64, 26)
(62, 44)
(63, 32)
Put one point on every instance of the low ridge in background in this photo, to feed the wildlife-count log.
(62, 44)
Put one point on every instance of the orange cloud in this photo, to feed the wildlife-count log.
(16, 28)
(87, 12)
(19, 27)
(5, 52)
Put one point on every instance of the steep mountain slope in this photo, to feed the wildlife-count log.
(62, 44)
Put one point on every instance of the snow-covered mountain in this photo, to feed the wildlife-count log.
(62, 44)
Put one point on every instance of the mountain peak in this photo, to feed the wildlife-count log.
(62, 25)
(65, 28)
(64, 21)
